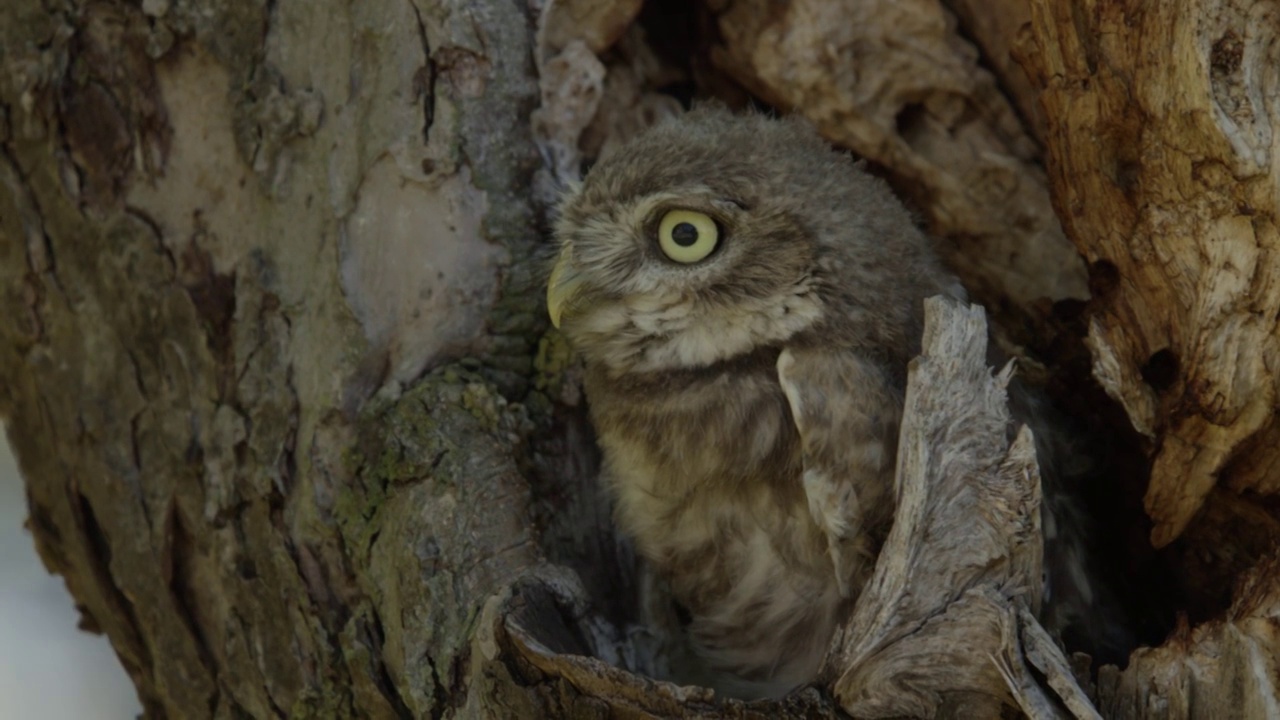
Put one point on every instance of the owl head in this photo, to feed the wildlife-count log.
(712, 235)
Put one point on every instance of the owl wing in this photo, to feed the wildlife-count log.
(847, 411)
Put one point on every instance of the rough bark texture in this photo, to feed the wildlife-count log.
(1161, 151)
(234, 236)
(1160, 133)
(274, 364)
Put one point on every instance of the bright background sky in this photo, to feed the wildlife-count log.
(49, 670)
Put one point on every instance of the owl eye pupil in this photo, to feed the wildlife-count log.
(684, 234)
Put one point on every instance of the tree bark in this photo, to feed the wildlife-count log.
(235, 237)
(276, 370)
(1160, 127)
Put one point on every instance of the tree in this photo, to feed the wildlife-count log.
(295, 433)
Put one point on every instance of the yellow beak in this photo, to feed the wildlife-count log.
(563, 285)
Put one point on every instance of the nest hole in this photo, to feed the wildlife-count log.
(1154, 586)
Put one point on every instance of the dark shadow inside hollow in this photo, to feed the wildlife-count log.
(575, 516)
(606, 623)
(551, 641)
(1111, 476)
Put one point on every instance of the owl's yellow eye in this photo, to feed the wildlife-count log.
(687, 236)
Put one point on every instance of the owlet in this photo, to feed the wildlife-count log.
(745, 300)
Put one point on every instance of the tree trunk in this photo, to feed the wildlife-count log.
(276, 370)
(235, 238)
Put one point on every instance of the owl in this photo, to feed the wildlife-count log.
(745, 300)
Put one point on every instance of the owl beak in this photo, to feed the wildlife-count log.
(563, 285)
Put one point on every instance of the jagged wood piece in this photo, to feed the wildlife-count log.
(938, 630)
(1227, 667)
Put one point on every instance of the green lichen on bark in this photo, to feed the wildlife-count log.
(421, 465)
(555, 357)
(427, 435)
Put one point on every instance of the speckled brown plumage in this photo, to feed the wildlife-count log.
(747, 404)
(760, 505)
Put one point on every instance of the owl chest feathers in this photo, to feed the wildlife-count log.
(689, 455)
(706, 475)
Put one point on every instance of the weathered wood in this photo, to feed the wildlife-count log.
(1158, 136)
(997, 28)
(894, 82)
(1224, 668)
(598, 25)
(961, 567)
(1159, 148)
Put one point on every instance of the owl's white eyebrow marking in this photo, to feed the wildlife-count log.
(684, 196)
